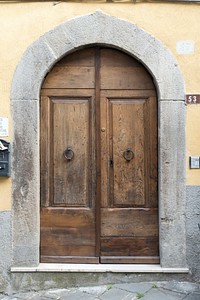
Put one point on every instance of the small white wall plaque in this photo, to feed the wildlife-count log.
(3, 126)
(185, 47)
(194, 162)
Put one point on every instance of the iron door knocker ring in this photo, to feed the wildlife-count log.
(128, 154)
(68, 153)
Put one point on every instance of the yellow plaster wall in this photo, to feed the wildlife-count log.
(193, 141)
(23, 23)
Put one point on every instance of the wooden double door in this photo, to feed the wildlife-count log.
(99, 160)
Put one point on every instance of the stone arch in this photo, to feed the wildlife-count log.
(36, 62)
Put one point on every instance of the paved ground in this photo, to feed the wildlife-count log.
(131, 291)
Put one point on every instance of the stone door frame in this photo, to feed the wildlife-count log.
(97, 29)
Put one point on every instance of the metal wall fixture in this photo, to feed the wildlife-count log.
(4, 158)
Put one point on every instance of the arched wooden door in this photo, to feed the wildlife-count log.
(99, 160)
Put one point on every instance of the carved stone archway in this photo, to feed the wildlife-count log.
(36, 62)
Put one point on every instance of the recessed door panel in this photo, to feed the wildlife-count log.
(71, 145)
(127, 141)
(76, 70)
(120, 71)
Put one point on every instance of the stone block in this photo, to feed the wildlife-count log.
(25, 174)
(172, 170)
(172, 176)
(60, 41)
(31, 70)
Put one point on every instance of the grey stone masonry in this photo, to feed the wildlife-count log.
(193, 229)
(172, 175)
(5, 250)
(25, 169)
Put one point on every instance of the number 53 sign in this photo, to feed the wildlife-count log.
(192, 99)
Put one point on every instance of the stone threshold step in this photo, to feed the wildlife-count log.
(115, 268)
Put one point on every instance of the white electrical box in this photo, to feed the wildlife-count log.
(194, 162)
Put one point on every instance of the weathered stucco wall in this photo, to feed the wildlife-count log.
(22, 24)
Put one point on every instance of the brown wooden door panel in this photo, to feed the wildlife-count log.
(129, 246)
(111, 80)
(77, 70)
(120, 71)
(123, 222)
(99, 206)
(129, 259)
(127, 142)
(71, 117)
(67, 231)
(74, 77)
(129, 124)
(70, 259)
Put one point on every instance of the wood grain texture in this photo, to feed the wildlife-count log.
(82, 58)
(67, 232)
(126, 222)
(152, 197)
(73, 77)
(70, 259)
(130, 260)
(45, 154)
(98, 150)
(71, 117)
(130, 246)
(99, 207)
(127, 132)
(77, 70)
(120, 71)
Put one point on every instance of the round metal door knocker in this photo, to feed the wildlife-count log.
(68, 153)
(128, 154)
